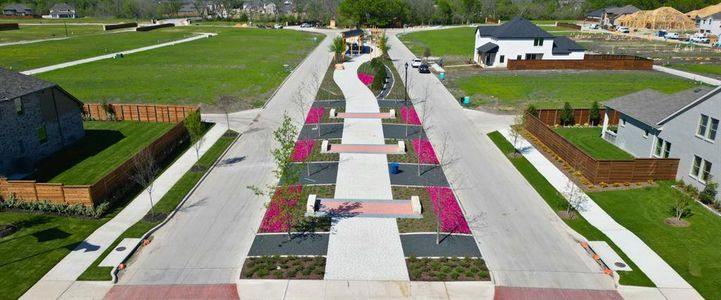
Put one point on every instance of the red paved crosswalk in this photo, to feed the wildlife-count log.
(174, 291)
(515, 293)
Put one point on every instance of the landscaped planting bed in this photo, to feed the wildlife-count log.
(409, 116)
(301, 223)
(329, 90)
(558, 203)
(290, 267)
(425, 224)
(452, 219)
(589, 140)
(409, 157)
(309, 151)
(105, 146)
(315, 114)
(447, 269)
(425, 151)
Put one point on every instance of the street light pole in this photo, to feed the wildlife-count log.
(405, 99)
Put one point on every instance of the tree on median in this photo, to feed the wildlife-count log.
(196, 131)
(145, 171)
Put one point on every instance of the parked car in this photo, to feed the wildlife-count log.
(278, 26)
(424, 68)
(673, 35)
(594, 26)
(305, 25)
(700, 39)
(623, 29)
(416, 63)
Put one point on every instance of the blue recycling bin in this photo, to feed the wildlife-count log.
(442, 76)
(395, 168)
(466, 100)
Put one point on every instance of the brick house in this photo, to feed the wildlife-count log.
(37, 118)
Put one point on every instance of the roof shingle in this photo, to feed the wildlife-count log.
(13, 84)
(651, 107)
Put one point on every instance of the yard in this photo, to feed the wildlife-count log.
(692, 251)
(589, 140)
(712, 70)
(35, 55)
(510, 90)
(246, 63)
(455, 45)
(48, 31)
(557, 203)
(105, 146)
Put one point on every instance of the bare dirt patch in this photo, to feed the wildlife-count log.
(677, 222)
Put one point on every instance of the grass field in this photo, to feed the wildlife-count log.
(105, 146)
(455, 45)
(692, 251)
(165, 205)
(703, 69)
(589, 140)
(557, 203)
(36, 32)
(246, 63)
(550, 89)
(28, 56)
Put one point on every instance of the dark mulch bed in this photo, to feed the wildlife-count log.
(291, 267)
(447, 269)
(7, 229)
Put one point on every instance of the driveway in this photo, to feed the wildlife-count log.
(207, 241)
(523, 241)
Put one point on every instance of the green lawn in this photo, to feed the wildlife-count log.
(589, 140)
(692, 251)
(28, 56)
(105, 146)
(165, 205)
(36, 32)
(557, 203)
(550, 89)
(110, 20)
(455, 45)
(328, 89)
(247, 63)
(707, 69)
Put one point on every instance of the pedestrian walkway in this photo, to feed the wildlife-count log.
(63, 274)
(363, 248)
(688, 75)
(670, 283)
(107, 56)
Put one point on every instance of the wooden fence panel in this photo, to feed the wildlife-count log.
(52, 192)
(140, 112)
(552, 117)
(590, 62)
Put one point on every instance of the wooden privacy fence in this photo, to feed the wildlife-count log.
(597, 171)
(568, 25)
(119, 180)
(9, 26)
(119, 26)
(589, 62)
(153, 27)
(138, 112)
(552, 117)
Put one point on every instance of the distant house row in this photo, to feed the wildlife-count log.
(57, 11)
(607, 16)
(214, 9)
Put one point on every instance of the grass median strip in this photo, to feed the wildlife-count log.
(166, 204)
(557, 202)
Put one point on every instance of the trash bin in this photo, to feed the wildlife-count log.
(466, 100)
(395, 168)
(442, 76)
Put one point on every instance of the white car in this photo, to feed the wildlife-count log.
(594, 26)
(700, 39)
(416, 63)
(673, 35)
(278, 26)
(623, 29)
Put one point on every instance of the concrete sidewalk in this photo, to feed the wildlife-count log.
(107, 56)
(363, 248)
(670, 283)
(688, 75)
(64, 274)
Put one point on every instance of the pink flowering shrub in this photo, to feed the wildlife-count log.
(452, 219)
(302, 150)
(315, 115)
(275, 220)
(366, 78)
(424, 150)
(409, 116)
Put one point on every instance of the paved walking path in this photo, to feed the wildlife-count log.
(688, 75)
(63, 274)
(363, 248)
(670, 283)
(107, 56)
(32, 41)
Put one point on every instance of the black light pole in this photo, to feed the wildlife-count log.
(405, 100)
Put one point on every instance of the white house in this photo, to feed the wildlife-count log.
(63, 11)
(520, 39)
(710, 24)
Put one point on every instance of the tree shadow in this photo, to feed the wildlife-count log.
(50, 234)
(94, 142)
(345, 210)
(230, 161)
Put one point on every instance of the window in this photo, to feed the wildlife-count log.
(659, 147)
(663, 148)
(503, 58)
(519, 57)
(701, 169)
(42, 134)
(537, 42)
(666, 149)
(712, 130)
(706, 174)
(707, 128)
(701, 131)
(696, 166)
(19, 106)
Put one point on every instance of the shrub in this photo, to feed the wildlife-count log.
(567, 114)
(262, 273)
(708, 194)
(532, 110)
(594, 113)
(278, 274)
(77, 209)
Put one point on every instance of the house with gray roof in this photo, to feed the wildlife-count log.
(63, 11)
(17, 10)
(610, 14)
(683, 125)
(37, 118)
(710, 25)
(519, 39)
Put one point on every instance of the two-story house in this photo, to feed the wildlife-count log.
(63, 11)
(17, 10)
(520, 39)
(710, 24)
(37, 118)
(683, 125)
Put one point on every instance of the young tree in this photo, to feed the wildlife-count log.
(444, 161)
(338, 48)
(576, 199)
(426, 52)
(594, 115)
(383, 44)
(567, 114)
(145, 171)
(519, 122)
(196, 131)
(708, 194)
(225, 103)
(681, 205)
